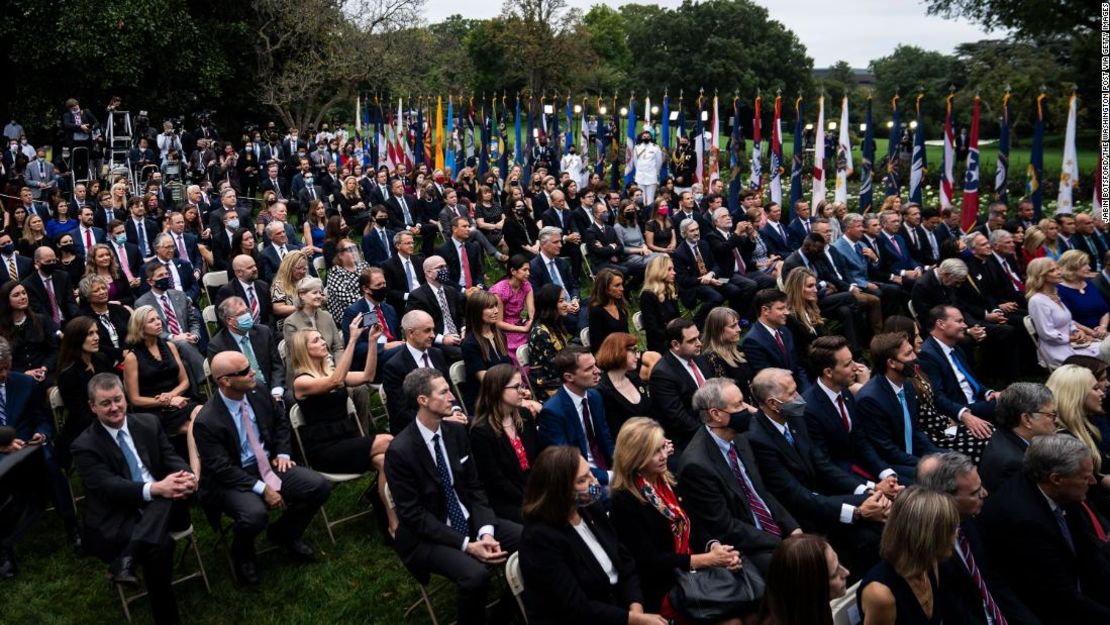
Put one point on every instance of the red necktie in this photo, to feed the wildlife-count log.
(55, 312)
(755, 502)
(253, 301)
(465, 266)
(843, 413)
(171, 317)
(88, 241)
(385, 326)
(897, 248)
(697, 373)
(977, 577)
(782, 347)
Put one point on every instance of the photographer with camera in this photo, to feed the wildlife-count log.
(170, 139)
(202, 161)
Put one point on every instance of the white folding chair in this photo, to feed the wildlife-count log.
(296, 420)
(524, 355)
(584, 337)
(458, 378)
(209, 317)
(212, 282)
(844, 609)
(319, 265)
(586, 262)
(516, 582)
(913, 312)
(1031, 328)
(638, 321)
(190, 538)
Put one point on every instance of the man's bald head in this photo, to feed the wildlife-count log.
(228, 362)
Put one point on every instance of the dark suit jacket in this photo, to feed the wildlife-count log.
(881, 417)
(716, 503)
(722, 251)
(563, 581)
(151, 228)
(810, 486)
(762, 351)
(550, 217)
(221, 249)
(672, 392)
(947, 394)
(449, 252)
(402, 410)
(268, 185)
(24, 267)
(262, 292)
(499, 467)
(686, 269)
(396, 214)
(602, 244)
(361, 306)
(63, 295)
(424, 298)
(265, 350)
(776, 245)
(539, 275)
(269, 261)
(558, 424)
(132, 257)
(966, 593)
(797, 233)
(919, 252)
(1100, 282)
(996, 284)
(892, 261)
(928, 292)
(189, 285)
(396, 281)
(218, 442)
(1002, 458)
(831, 442)
(420, 499)
(1095, 248)
(26, 407)
(374, 251)
(113, 501)
(98, 236)
(1028, 548)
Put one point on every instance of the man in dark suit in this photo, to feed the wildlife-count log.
(968, 574)
(800, 226)
(229, 203)
(11, 263)
(699, 279)
(379, 189)
(1024, 410)
(140, 230)
(222, 238)
(127, 255)
(956, 391)
(404, 214)
(603, 246)
(247, 286)
(445, 523)
(404, 271)
(256, 342)
(560, 216)
(949, 225)
(273, 181)
(549, 268)
(1087, 240)
(309, 191)
(464, 257)
(930, 242)
(181, 323)
(893, 251)
(769, 343)
(182, 274)
(244, 450)
(914, 235)
(275, 252)
(675, 378)
(720, 483)
(374, 309)
(832, 418)
(575, 414)
(541, 202)
(444, 303)
(136, 487)
(377, 241)
(888, 405)
(49, 290)
(1040, 537)
(418, 351)
(732, 249)
(773, 233)
(822, 496)
(1002, 283)
(86, 235)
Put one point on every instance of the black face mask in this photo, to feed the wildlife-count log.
(382, 221)
(47, 269)
(68, 248)
(379, 294)
(909, 369)
(739, 422)
(7, 250)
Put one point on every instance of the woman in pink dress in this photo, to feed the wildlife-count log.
(515, 295)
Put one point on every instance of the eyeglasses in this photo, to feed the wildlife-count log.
(238, 374)
(515, 387)
(1051, 415)
(350, 248)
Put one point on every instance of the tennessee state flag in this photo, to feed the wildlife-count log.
(969, 213)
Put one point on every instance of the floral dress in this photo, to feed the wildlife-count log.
(543, 345)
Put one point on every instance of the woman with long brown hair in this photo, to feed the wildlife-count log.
(804, 576)
(485, 344)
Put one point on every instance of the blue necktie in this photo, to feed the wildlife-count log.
(141, 229)
(1064, 529)
(907, 423)
(129, 457)
(959, 360)
(4, 406)
(859, 248)
(455, 515)
(789, 437)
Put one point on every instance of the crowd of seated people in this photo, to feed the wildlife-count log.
(813, 400)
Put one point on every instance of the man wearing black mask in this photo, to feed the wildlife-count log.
(721, 486)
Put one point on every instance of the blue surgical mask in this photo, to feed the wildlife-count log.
(121, 239)
(245, 322)
(233, 224)
(588, 498)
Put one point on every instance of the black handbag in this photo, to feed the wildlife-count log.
(716, 593)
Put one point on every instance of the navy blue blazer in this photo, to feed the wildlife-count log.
(189, 284)
(24, 267)
(98, 236)
(762, 351)
(774, 241)
(947, 394)
(374, 251)
(26, 407)
(891, 261)
(797, 233)
(539, 276)
(191, 249)
(559, 425)
(270, 262)
(392, 321)
(881, 417)
(846, 449)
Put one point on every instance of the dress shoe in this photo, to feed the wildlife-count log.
(246, 572)
(300, 551)
(7, 564)
(122, 570)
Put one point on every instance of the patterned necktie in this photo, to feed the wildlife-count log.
(591, 438)
(782, 347)
(455, 517)
(786, 433)
(55, 312)
(759, 509)
(448, 322)
(701, 263)
(13, 271)
(169, 274)
(3, 405)
(977, 577)
(171, 317)
(129, 457)
(253, 301)
(269, 478)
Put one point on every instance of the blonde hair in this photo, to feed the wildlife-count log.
(808, 313)
(715, 324)
(136, 322)
(1069, 385)
(1072, 263)
(655, 278)
(90, 261)
(1035, 274)
(283, 279)
(1034, 238)
(299, 358)
(638, 440)
(27, 234)
(919, 531)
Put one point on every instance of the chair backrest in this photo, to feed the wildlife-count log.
(296, 420)
(318, 264)
(282, 352)
(585, 261)
(57, 408)
(638, 321)
(457, 373)
(389, 497)
(516, 581)
(1029, 327)
(584, 336)
(845, 611)
(913, 313)
(524, 355)
(214, 279)
(209, 316)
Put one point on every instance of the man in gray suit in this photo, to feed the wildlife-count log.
(180, 322)
(40, 175)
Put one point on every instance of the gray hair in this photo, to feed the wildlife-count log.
(868, 219)
(997, 236)
(159, 238)
(886, 215)
(768, 383)
(941, 471)
(686, 224)
(721, 210)
(710, 395)
(275, 226)
(547, 232)
(413, 317)
(850, 220)
(227, 305)
(969, 239)
(400, 234)
(5, 351)
(953, 268)
(1019, 398)
(308, 283)
(86, 284)
(103, 382)
(1061, 454)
